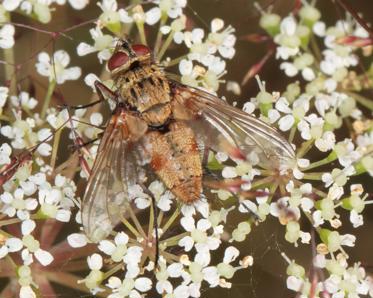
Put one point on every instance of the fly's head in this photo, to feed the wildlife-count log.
(127, 57)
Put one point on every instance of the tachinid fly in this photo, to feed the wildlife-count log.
(158, 130)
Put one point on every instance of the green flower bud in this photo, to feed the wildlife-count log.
(30, 242)
(42, 12)
(295, 270)
(353, 203)
(244, 227)
(270, 22)
(304, 34)
(226, 270)
(292, 92)
(238, 236)
(309, 14)
(347, 106)
(334, 267)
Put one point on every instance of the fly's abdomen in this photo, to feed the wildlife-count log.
(175, 159)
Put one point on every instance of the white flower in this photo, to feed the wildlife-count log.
(15, 204)
(173, 8)
(11, 5)
(117, 249)
(77, 240)
(5, 152)
(76, 4)
(287, 40)
(24, 100)
(56, 69)
(11, 245)
(102, 44)
(3, 96)
(7, 36)
(128, 287)
(32, 246)
(221, 40)
(198, 236)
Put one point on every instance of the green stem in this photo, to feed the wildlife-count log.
(158, 40)
(292, 134)
(57, 138)
(330, 158)
(165, 45)
(176, 60)
(113, 270)
(47, 99)
(130, 227)
(313, 176)
(171, 220)
(172, 241)
(10, 74)
(9, 222)
(366, 102)
(136, 222)
(261, 182)
(306, 146)
(140, 27)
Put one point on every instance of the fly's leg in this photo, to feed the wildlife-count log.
(104, 94)
(155, 211)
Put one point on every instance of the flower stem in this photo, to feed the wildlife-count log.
(313, 176)
(10, 73)
(56, 142)
(172, 241)
(330, 158)
(175, 61)
(140, 27)
(306, 146)
(171, 220)
(292, 134)
(47, 99)
(366, 102)
(165, 45)
(158, 40)
(113, 270)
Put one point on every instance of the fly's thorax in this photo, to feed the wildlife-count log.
(146, 89)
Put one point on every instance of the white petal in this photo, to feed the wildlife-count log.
(121, 238)
(187, 242)
(78, 4)
(231, 253)
(94, 262)
(203, 224)
(85, 49)
(77, 240)
(26, 292)
(63, 215)
(107, 247)
(152, 16)
(14, 244)
(286, 122)
(187, 223)
(11, 5)
(28, 226)
(175, 270)
(143, 284)
(44, 257)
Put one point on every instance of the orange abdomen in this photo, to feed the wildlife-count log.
(175, 159)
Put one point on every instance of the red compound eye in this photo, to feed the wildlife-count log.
(140, 49)
(118, 59)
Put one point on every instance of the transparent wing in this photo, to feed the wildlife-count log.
(217, 123)
(117, 167)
